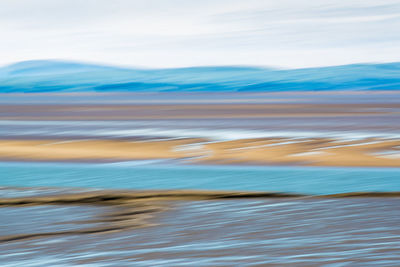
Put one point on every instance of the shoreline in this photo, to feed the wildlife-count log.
(118, 196)
(165, 163)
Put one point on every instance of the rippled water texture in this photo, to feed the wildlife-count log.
(294, 232)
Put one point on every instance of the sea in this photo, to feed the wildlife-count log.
(303, 231)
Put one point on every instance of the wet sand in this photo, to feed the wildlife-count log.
(203, 228)
(194, 111)
(292, 128)
(117, 210)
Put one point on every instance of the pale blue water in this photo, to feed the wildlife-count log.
(310, 180)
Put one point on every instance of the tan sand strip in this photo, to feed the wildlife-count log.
(308, 152)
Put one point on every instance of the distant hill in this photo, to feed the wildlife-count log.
(60, 76)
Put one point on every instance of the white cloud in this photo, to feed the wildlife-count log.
(160, 33)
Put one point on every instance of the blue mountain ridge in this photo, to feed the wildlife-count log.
(61, 76)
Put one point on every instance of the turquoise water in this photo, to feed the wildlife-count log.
(311, 180)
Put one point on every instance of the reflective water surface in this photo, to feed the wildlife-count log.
(292, 232)
(153, 175)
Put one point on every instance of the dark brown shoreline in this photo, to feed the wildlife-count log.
(120, 197)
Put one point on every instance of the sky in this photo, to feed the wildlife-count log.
(180, 33)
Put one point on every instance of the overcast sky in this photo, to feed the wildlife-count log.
(175, 33)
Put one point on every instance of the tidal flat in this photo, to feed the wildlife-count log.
(164, 228)
(289, 128)
(205, 179)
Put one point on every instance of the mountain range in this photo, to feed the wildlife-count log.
(61, 76)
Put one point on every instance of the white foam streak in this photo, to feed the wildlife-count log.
(132, 129)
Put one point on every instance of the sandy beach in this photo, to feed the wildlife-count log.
(321, 129)
(307, 152)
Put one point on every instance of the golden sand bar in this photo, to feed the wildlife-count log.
(377, 114)
(371, 152)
